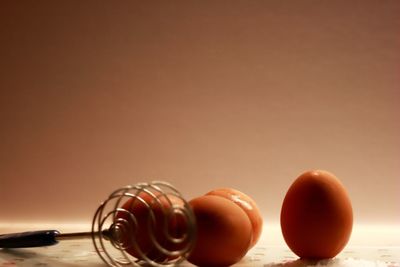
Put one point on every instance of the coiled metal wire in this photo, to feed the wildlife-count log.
(123, 238)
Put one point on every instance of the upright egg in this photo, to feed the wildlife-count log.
(316, 215)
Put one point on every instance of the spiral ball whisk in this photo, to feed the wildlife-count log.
(144, 223)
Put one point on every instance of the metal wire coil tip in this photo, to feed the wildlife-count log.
(144, 224)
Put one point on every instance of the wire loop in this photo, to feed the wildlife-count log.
(140, 223)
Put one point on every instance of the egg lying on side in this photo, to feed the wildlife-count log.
(316, 215)
(224, 232)
(248, 205)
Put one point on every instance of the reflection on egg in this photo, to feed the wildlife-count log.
(224, 232)
(247, 204)
(316, 216)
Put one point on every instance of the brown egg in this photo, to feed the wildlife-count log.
(316, 216)
(141, 231)
(223, 232)
(247, 204)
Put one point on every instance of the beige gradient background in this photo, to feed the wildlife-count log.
(245, 94)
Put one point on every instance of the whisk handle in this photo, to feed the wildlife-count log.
(29, 239)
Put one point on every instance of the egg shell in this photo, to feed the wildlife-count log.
(248, 205)
(140, 233)
(316, 215)
(223, 232)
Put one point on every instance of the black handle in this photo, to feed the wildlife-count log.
(29, 239)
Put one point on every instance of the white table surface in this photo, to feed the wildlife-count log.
(368, 246)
